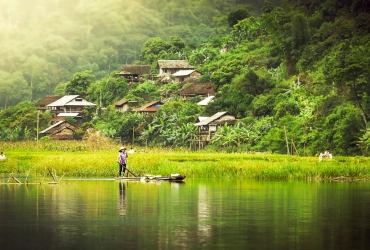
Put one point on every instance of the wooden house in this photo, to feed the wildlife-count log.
(123, 105)
(42, 104)
(61, 130)
(186, 75)
(69, 104)
(203, 89)
(150, 108)
(169, 67)
(207, 127)
(134, 73)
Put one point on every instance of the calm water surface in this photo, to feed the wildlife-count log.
(196, 214)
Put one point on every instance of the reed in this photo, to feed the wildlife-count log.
(86, 159)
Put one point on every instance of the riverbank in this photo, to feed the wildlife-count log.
(76, 159)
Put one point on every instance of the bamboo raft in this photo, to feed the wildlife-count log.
(172, 178)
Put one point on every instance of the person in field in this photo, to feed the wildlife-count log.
(2, 156)
(327, 154)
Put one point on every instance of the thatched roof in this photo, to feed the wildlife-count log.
(120, 102)
(131, 69)
(55, 128)
(202, 88)
(150, 107)
(124, 101)
(174, 64)
(48, 99)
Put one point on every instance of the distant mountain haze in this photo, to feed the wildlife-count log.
(43, 43)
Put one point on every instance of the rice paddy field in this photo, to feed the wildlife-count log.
(85, 159)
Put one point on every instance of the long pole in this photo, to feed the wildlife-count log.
(130, 172)
(133, 134)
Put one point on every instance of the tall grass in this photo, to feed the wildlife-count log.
(97, 159)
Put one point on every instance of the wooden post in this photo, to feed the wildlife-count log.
(286, 140)
(294, 148)
(37, 127)
(15, 179)
(100, 99)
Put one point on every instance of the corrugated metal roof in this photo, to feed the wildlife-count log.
(205, 101)
(67, 114)
(83, 102)
(202, 118)
(62, 101)
(210, 119)
(183, 72)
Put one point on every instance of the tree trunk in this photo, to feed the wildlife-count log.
(364, 118)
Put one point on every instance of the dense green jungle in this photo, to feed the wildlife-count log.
(294, 72)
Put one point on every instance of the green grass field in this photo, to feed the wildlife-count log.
(98, 159)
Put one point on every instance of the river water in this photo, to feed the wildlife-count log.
(195, 214)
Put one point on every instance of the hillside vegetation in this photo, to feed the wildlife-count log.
(296, 75)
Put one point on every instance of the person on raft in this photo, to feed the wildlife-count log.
(122, 161)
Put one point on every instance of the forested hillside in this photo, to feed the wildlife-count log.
(296, 74)
(42, 43)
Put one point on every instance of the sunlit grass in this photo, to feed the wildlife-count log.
(86, 159)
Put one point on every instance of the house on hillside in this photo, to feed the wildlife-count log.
(69, 104)
(134, 73)
(185, 75)
(169, 67)
(207, 127)
(42, 104)
(123, 105)
(61, 130)
(202, 89)
(150, 108)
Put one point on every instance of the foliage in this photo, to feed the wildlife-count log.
(79, 83)
(297, 75)
(146, 91)
(20, 122)
(114, 124)
(236, 15)
(108, 90)
(172, 125)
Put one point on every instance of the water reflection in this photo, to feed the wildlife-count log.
(122, 198)
(202, 214)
